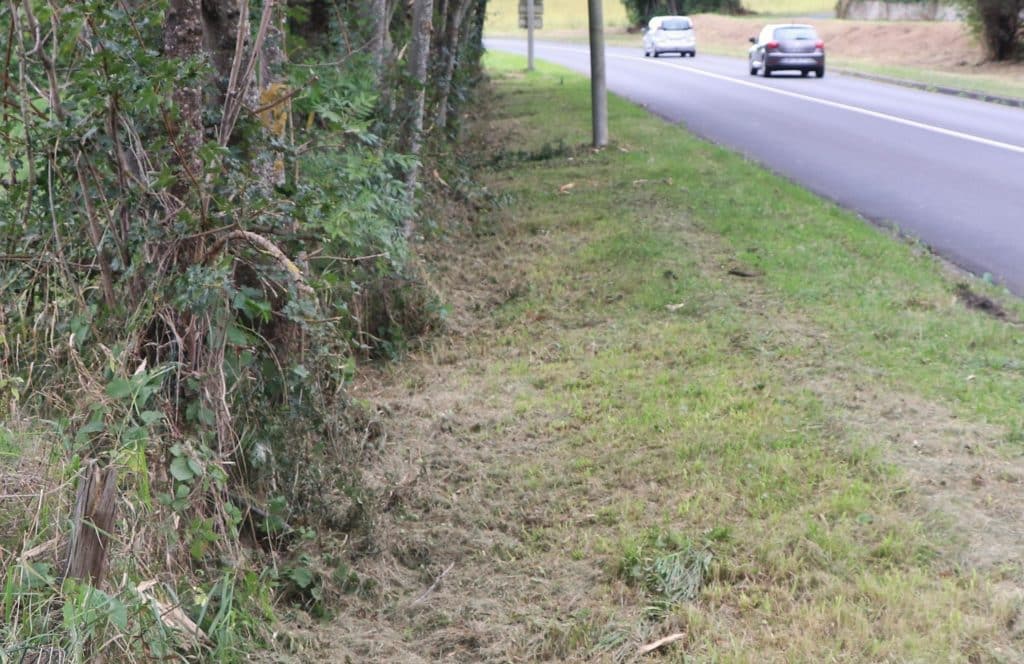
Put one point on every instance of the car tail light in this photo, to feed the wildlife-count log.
(820, 45)
(771, 46)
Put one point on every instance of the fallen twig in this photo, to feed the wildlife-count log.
(40, 549)
(433, 586)
(654, 645)
(171, 615)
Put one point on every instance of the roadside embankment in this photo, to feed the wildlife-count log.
(683, 402)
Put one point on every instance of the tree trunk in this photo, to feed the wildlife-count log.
(419, 50)
(378, 34)
(384, 52)
(273, 97)
(452, 50)
(183, 39)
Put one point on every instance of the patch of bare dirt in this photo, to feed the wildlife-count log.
(983, 303)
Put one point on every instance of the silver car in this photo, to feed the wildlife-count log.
(670, 34)
(789, 46)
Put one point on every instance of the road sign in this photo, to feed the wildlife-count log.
(538, 14)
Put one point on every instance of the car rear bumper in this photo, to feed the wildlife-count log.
(801, 61)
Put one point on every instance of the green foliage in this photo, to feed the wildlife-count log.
(668, 567)
(998, 25)
(641, 11)
(194, 329)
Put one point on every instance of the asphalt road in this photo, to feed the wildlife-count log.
(944, 169)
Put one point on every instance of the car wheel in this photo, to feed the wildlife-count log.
(693, 54)
(753, 70)
(804, 73)
(820, 72)
(646, 53)
(767, 72)
(655, 52)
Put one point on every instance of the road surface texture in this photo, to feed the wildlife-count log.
(946, 170)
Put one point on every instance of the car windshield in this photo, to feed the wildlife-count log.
(794, 33)
(677, 24)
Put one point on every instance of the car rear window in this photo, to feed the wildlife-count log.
(676, 24)
(789, 34)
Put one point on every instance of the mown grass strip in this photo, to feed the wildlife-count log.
(694, 337)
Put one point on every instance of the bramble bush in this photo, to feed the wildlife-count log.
(196, 248)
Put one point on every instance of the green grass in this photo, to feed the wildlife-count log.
(744, 415)
(1005, 86)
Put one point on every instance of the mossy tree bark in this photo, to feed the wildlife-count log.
(419, 51)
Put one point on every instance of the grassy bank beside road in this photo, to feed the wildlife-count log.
(685, 398)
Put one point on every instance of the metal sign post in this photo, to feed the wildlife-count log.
(531, 16)
(598, 87)
(529, 35)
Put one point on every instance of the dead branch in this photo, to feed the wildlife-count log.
(241, 76)
(268, 247)
(433, 586)
(97, 238)
(651, 647)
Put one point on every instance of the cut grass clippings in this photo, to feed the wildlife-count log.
(698, 401)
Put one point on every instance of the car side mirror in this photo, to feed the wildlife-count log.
(753, 40)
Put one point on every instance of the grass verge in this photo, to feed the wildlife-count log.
(1010, 85)
(688, 399)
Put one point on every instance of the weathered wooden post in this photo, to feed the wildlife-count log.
(91, 524)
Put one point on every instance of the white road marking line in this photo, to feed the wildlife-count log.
(824, 102)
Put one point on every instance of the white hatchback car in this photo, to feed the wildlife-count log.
(670, 34)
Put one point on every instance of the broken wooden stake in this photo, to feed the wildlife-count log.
(91, 524)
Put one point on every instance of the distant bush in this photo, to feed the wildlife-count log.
(998, 25)
(641, 11)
